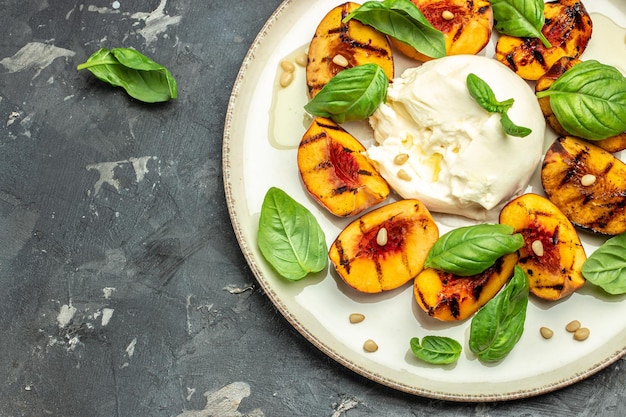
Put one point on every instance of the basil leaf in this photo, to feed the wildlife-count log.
(499, 324)
(470, 250)
(438, 350)
(141, 77)
(289, 236)
(352, 94)
(484, 95)
(589, 100)
(520, 18)
(402, 20)
(606, 267)
(511, 128)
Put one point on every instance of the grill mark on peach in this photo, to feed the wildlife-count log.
(510, 59)
(572, 18)
(454, 285)
(343, 260)
(539, 58)
(455, 308)
(329, 126)
(313, 138)
(577, 161)
(354, 43)
(609, 211)
(370, 249)
(348, 46)
(557, 287)
(458, 33)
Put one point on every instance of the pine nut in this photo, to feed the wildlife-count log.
(370, 346)
(581, 334)
(356, 318)
(537, 247)
(381, 236)
(403, 175)
(401, 158)
(572, 326)
(286, 78)
(546, 332)
(587, 180)
(340, 60)
(287, 66)
(302, 60)
(447, 15)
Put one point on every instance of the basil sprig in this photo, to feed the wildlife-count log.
(352, 94)
(520, 18)
(437, 350)
(498, 325)
(141, 77)
(470, 250)
(402, 20)
(484, 95)
(289, 236)
(606, 267)
(589, 100)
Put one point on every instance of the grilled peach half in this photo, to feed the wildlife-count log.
(337, 45)
(336, 172)
(612, 144)
(552, 255)
(449, 297)
(385, 248)
(587, 183)
(466, 26)
(567, 27)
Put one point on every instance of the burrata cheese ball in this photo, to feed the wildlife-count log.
(435, 143)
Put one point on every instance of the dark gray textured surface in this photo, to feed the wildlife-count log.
(122, 289)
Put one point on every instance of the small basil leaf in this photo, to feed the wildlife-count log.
(499, 324)
(437, 350)
(589, 100)
(141, 77)
(402, 20)
(606, 267)
(470, 250)
(511, 128)
(485, 97)
(352, 94)
(289, 236)
(520, 18)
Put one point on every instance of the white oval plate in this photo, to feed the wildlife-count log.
(318, 306)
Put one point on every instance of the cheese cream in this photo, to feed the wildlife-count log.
(435, 143)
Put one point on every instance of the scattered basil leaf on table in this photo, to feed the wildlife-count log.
(470, 250)
(352, 94)
(498, 325)
(141, 77)
(484, 95)
(437, 350)
(289, 236)
(606, 267)
(589, 100)
(520, 18)
(402, 20)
